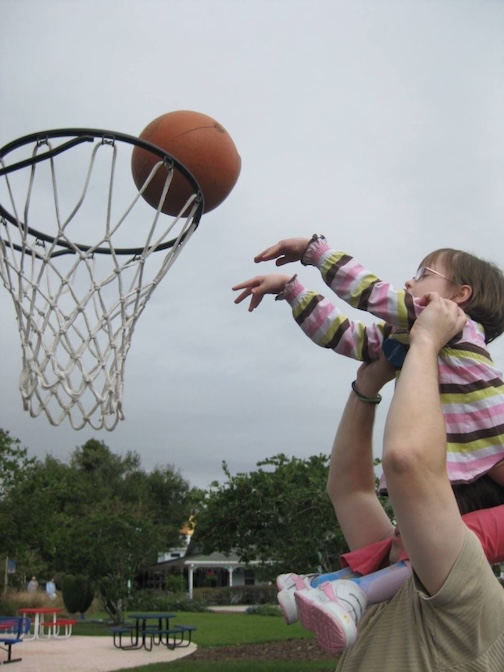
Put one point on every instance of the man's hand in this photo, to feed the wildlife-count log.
(285, 252)
(438, 323)
(257, 287)
(373, 376)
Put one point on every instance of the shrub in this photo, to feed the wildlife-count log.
(264, 610)
(153, 600)
(13, 601)
(175, 583)
(236, 595)
(78, 593)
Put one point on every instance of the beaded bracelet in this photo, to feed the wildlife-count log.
(361, 397)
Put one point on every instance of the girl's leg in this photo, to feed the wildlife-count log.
(289, 584)
(346, 573)
(334, 610)
(384, 584)
(299, 581)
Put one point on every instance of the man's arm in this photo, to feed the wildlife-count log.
(351, 481)
(414, 454)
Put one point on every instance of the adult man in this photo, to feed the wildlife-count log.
(450, 615)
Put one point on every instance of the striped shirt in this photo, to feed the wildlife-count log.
(471, 388)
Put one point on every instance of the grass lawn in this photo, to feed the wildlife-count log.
(214, 630)
(237, 666)
(222, 629)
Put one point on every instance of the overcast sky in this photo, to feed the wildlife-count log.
(378, 123)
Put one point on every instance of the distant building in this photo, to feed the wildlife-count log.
(215, 570)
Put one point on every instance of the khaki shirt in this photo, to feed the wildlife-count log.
(460, 629)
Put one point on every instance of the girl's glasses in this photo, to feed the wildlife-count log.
(425, 269)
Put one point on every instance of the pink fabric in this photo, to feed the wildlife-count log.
(487, 525)
(369, 558)
(292, 289)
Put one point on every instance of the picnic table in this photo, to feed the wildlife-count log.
(39, 622)
(148, 629)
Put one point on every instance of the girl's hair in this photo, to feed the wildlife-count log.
(486, 304)
(484, 493)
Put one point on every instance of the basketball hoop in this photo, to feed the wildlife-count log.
(77, 304)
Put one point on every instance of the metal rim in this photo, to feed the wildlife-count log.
(81, 135)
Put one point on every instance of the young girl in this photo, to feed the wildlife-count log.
(470, 387)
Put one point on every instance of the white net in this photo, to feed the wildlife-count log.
(76, 305)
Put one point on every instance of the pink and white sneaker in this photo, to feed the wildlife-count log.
(287, 602)
(287, 585)
(297, 581)
(332, 611)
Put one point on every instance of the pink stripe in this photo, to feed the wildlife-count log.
(469, 470)
(462, 373)
(464, 420)
(325, 311)
(344, 286)
(294, 285)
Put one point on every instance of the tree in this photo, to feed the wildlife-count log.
(130, 517)
(38, 511)
(26, 508)
(279, 515)
(100, 515)
(117, 546)
(14, 461)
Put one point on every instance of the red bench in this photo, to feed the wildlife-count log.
(65, 623)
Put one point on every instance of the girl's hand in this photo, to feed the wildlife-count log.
(257, 287)
(285, 252)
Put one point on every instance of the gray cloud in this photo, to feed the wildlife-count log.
(376, 123)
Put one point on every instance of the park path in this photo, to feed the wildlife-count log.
(87, 654)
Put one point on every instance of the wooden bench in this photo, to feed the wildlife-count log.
(12, 629)
(66, 623)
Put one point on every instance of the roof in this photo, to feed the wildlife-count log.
(200, 560)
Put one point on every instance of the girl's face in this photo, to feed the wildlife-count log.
(433, 278)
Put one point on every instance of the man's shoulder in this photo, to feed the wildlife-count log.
(471, 577)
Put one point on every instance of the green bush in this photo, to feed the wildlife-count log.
(78, 593)
(175, 583)
(236, 595)
(153, 600)
(13, 601)
(9, 607)
(264, 610)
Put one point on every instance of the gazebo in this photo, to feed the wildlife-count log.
(215, 569)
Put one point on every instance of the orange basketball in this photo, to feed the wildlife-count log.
(200, 144)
